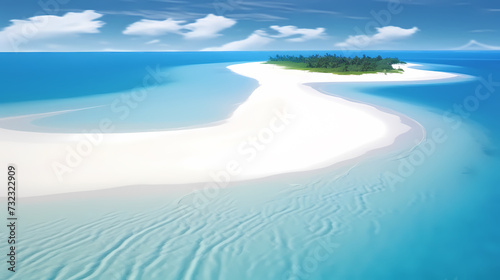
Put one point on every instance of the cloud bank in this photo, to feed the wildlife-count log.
(384, 35)
(48, 26)
(260, 38)
(255, 40)
(304, 33)
(203, 28)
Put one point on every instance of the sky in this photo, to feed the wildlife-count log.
(247, 25)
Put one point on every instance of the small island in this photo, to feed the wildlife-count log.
(338, 64)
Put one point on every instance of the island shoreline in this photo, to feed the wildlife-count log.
(301, 92)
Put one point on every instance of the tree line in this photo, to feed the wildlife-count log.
(341, 63)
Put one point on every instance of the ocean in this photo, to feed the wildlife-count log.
(428, 213)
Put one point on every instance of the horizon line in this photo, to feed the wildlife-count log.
(200, 51)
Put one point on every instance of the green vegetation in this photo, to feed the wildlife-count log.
(338, 64)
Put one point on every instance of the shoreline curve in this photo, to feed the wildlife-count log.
(285, 126)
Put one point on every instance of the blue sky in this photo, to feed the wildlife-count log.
(171, 25)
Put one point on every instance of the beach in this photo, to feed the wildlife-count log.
(284, 126)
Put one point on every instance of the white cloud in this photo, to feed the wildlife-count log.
(259, 38)
(154, 27)
(207, 27)
(384, 35)
(304, 33)
(47, 26)
(253, 42)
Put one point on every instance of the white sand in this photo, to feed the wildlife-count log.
(258, 140)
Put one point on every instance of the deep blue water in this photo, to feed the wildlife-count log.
(440, 222)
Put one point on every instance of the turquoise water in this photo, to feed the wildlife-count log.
(192, 95)
(447, 228)
(173, 97)
(438, 220)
